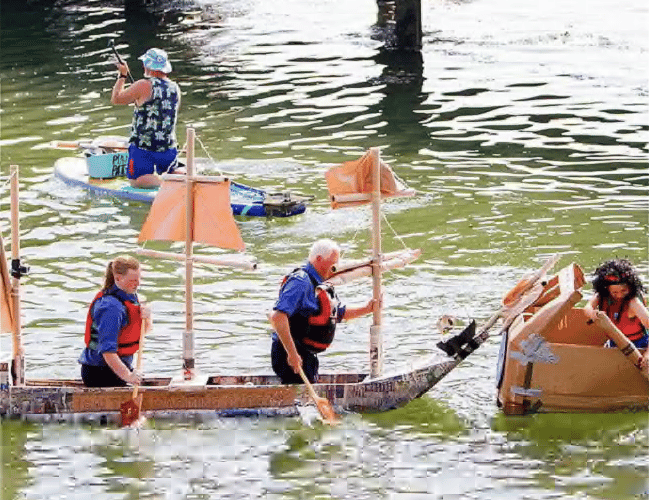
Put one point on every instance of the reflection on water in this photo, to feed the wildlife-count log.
(523, 130)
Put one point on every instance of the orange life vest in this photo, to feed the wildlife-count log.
(316, 332)
(128, 339)
(632, 328)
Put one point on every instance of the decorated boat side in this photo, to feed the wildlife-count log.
(553, 358)
(101, 170)
(367, 180)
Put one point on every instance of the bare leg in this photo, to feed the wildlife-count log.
(146, 181)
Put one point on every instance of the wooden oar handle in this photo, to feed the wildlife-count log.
(621, 341)
(138, 363)
(308, 385)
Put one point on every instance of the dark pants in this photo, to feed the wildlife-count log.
(100, 376)
(284, 371)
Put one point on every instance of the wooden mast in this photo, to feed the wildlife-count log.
(18, 353)
(188, 338)
(376, 340)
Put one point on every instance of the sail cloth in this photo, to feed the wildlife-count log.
(355, 177)
(6, 309)
(213, 222)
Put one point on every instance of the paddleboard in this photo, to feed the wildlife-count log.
(245, 200)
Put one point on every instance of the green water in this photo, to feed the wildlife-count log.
(523, 129)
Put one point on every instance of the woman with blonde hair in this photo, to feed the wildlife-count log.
(113, 327)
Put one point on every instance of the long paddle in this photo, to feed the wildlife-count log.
(324, 406)
(621, 341)
(111, 44)
(130, 409)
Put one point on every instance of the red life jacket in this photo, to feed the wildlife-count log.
(316, 332)
(128, 339)
(632, 328)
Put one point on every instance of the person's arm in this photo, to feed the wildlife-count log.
(638, 310)
(139, 92)
(357, 312)
(280, 323)
(120, 369)
(591, 306)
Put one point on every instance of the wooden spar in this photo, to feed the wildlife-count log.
(349, 265)
(18, 353)
(235, 261)
(356, 197)
(376, 342)
(188, 338)
(395, 261)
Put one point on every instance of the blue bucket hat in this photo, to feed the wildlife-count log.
(156, 59)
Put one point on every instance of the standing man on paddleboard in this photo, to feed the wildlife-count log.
(153, 132)
(113, 328)
(305, 315)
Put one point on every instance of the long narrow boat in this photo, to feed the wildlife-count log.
(553, 358)
(103, 174)
(371, 391)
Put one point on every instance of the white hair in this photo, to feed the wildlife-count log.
(323, 248)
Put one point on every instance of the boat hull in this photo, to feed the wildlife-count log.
(234, 394)
(245, 200)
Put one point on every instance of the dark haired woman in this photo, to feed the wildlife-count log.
(113, 328)
(618, 293)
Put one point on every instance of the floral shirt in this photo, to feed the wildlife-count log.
(154, 123)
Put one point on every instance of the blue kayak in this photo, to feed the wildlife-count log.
(245, 200)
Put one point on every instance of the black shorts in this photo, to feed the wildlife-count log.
(284, 371)
(100, 376)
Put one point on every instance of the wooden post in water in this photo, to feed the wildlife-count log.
(188, 338)
(18, 354)
(376, 340)
(401, 22)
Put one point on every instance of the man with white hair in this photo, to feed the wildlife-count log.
(153, 132)
(305, 315)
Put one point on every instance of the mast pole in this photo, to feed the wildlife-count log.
(376, 340)
(188, 338)
(18, 352)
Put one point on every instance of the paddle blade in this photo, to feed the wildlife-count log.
(130, 411)
(327, 412)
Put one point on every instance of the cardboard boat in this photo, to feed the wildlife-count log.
(553, 358)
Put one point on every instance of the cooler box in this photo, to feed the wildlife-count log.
(106, 165)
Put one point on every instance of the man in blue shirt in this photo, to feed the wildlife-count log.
(293, 344)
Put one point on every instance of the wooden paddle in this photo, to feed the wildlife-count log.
(111, 44)
(622, 342)
(130, 409)
(324, 406)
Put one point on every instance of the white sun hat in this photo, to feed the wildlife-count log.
(156, 59)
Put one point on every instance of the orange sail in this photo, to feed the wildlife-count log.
(6, 310)
(355, 177)
(213, 223)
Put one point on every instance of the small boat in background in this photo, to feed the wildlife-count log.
(101, 169)
(553, 358)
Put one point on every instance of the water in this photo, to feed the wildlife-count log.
(523, 128)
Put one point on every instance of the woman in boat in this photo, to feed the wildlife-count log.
(618, 293)
(153, 132)
(305, 315)
(113, 328)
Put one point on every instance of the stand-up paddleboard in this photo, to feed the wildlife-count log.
(245, 200)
